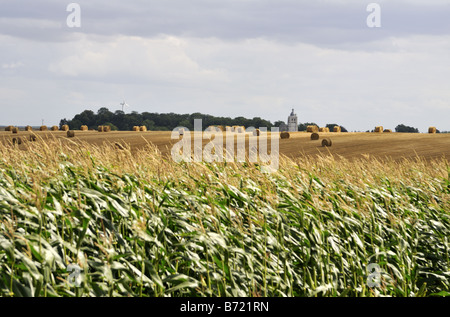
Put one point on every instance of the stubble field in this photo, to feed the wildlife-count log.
(395, 146)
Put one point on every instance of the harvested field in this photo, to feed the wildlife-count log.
(347, 145)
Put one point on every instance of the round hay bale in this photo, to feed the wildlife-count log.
(17, 141)
(432, 130)
(106, 128)
(326, 142)
(314, 136)
(337, 128)
(9, 128)
(15, 130)
(84, 128)
(285, 135)
(28, 128)
(43, 128)
(100, 128)
(32, 138)
(387, 131)
(378, 129)
(257, 132)
(143, 128)
(324, 129)
(312, 129)
(70, 134)
(65, 127)
(136, 128)
(54, 128)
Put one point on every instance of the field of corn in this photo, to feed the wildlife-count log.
(139, 224)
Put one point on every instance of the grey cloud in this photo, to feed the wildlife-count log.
(278, 20)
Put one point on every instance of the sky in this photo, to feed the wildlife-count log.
(250, 58)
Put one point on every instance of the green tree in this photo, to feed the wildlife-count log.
(406, 129)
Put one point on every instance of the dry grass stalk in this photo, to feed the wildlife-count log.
(119, 146)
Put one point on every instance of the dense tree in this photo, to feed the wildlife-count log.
(156, 121)
(406, 129)
(278, 123)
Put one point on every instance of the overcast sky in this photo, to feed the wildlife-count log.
(229, 58)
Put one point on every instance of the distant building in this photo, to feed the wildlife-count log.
(292, 123)
(283, 127)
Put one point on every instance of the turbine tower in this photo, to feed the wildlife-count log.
(124, 104)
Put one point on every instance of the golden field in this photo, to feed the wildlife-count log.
(352, 145)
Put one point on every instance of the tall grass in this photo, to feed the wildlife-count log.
(139, 224)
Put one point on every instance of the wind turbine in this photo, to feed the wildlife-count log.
(124, 104)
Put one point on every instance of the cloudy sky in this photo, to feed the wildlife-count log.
(229, 58)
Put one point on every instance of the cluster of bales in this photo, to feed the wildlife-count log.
(314, 130)
(232, 129)
(104, 128)
(32, 137)
(379, 129)
(142, 128)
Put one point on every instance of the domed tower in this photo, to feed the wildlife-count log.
(292, 122)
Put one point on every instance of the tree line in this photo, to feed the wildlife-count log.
(121, 121)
